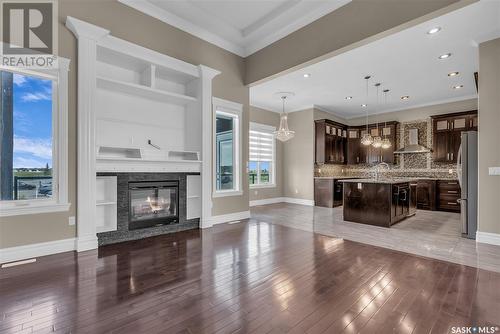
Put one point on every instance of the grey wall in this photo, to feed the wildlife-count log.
(489, 136)
(298, 162)
(267, 117)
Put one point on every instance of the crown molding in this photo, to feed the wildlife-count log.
(84, 29)
(274, 26)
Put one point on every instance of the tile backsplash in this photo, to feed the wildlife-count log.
(411, 164)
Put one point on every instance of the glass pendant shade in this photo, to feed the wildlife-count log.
(377, 142)
(284, 133)
(386, 143)
(366, 139)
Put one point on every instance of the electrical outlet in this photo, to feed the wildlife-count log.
(494, 170)
(296, 191)
(71, 221)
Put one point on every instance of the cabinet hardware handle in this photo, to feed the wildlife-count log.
(452, 203)
(470, 123)
(452, 192)
(452, 183)
(451, 155)
(447, 156)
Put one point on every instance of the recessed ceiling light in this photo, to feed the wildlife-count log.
(348, 97)
(458, 86)
(307, 75)
(364, 105)
(434, 30)
(405, 97)
(445, 56)
(453, 74)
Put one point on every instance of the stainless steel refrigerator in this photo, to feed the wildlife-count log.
(467, 178)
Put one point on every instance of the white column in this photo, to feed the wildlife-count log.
(88, 35)
(206, 74)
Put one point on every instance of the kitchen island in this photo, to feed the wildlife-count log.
(382, 202)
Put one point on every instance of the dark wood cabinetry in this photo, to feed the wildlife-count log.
(400, 208)
(447, 130)
(357, 153)
(448, 192)
(426, 194)
(331, 142)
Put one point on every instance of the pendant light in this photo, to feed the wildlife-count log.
(386, 143)
(366, 139)
(284, 133)
(377, 140)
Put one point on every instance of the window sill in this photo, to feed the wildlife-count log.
(30, 208)
(227, 193)
(258, 186)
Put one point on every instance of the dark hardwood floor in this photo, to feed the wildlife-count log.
(245, 278)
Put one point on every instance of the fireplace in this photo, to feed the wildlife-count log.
(153, 204)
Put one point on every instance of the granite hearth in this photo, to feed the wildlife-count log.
(125, 231)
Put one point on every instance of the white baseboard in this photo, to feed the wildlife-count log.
(301, 201)
(488, 238)
(273, 200)
(35, 250)
(267, 201)
(86, 243)
(214, 220)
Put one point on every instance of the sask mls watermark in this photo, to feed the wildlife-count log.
(29, 33)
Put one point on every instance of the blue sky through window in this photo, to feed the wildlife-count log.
(32, 98)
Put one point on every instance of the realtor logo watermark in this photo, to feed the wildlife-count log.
(475, 329)
(29, 33)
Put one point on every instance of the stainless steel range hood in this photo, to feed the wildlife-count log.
(413, 146)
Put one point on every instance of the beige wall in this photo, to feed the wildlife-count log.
(267, 117)
(418, 113)
(298, 163)
(350, 26)
(489, 136)
(131, 25)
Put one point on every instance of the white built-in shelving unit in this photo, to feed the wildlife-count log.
(106, 203)
(193, 196)
(138, 111)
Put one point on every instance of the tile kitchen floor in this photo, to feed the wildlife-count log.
(433, 234)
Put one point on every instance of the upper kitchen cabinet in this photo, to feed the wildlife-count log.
(354, 152)
(447, 131)
(330, 143)
(375, 155)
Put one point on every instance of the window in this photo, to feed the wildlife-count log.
(227, 158)
(262, 161)
(33, 136)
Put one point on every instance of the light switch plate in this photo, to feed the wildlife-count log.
(494, 170)
(71, 221)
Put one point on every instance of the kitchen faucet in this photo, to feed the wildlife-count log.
(377, 169)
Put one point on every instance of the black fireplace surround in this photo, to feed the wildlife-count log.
(153, 203)
(149, 204)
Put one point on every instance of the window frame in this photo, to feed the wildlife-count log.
(234, 110)
(59, 200)
(264, 128)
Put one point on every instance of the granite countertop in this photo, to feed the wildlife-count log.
(381, 181)
(336, 177)
(392, 179)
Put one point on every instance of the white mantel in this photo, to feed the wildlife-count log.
(127, 95)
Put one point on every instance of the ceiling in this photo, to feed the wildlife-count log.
(406, 63)
(239, 26)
